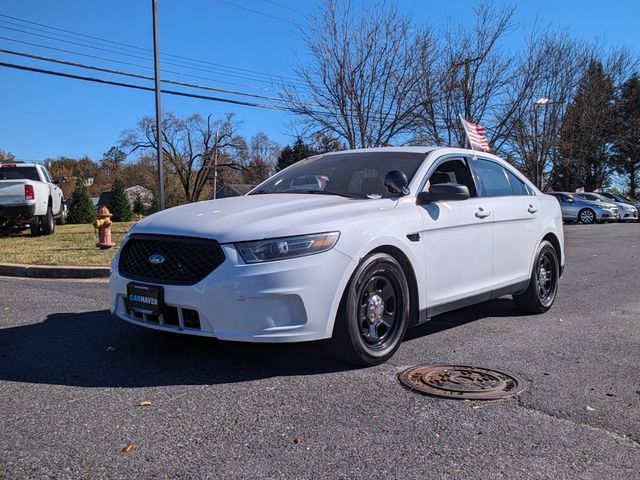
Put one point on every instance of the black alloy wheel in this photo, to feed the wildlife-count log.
(374, 312)
(543, 285)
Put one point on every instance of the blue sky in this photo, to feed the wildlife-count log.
(43, 116)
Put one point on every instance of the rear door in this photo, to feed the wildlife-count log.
(457, 238)
(516, 221)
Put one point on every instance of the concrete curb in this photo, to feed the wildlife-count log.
(52, 271)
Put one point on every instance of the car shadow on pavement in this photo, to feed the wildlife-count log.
(499, 307)
(95, 349)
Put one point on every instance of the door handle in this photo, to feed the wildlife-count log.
(532, 209)
(482, 213)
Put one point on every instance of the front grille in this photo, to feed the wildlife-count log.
(186, 260)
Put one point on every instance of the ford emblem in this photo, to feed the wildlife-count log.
(156, 259)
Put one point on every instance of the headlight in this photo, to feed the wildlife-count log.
(286, 247)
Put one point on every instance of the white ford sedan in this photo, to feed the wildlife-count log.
(355, 245)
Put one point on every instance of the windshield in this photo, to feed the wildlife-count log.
(18, 173)
(359, 175)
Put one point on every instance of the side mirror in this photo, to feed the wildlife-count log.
(443, 191)
(396, 183)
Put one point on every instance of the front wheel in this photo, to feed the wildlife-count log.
(543, 286)
(374, 311)
(587, 216)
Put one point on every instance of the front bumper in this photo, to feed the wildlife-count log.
(607, 215)
(626, 216)
(290, 300)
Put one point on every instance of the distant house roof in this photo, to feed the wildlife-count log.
(233, 190)
(145, 195)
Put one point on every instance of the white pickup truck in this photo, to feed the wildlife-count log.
(28, 195)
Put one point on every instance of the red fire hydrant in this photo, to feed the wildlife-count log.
(103, 225)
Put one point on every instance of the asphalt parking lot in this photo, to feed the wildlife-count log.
(72, 378)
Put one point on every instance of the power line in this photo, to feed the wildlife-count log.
(134, 75)
(277, 4)
(257, 12)
(179, 64)
(133, 64)
(104, 40)
(142, 87)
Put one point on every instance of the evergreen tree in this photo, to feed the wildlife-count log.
(292, 154)
(138, 206)
(627, 142)
(588, 129)
(82, 208)
(119, 206)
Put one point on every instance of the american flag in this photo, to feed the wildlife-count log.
(476, 134)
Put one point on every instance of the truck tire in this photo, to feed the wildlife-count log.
(62, 216)
(48, 223)
(34, 226)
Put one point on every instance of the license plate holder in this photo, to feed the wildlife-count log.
(147, 299)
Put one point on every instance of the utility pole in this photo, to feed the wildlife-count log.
(215, 168)
(156, 61)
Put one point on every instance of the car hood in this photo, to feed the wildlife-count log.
(255, 217)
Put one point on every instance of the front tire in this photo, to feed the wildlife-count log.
(543, 285)
(62, 216)
(587, 216)
(374, 312)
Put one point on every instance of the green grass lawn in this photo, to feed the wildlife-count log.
(69, 245)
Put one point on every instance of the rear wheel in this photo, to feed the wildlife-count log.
(48, 223)
(587, 216)
(374, 312)
(543, 286)
(34, 226)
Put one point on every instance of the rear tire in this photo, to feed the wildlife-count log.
(34, 226)
(48, 223)
(374, 312)
(543, 285)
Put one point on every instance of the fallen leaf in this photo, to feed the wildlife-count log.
(128, 447)
(111, 349)
(589, 409)
(145, 403)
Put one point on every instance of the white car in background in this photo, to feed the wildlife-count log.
(626, 211)
(382, 239)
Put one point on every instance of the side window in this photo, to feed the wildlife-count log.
(47, 175)
(455, 170)
(494, 178)
(517, 185)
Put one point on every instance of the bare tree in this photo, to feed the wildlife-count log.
(534, 131)
(478, 80)
(189, 147)
(362, 83)
(258, 156)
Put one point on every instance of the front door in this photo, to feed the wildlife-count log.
(457, 238)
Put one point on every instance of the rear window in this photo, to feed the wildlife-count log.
(19, 173)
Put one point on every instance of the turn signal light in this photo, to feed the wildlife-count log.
(28, 192)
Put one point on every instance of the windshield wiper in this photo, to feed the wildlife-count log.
(329, 192)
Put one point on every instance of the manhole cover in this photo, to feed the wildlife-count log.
(462, 382)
